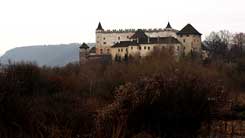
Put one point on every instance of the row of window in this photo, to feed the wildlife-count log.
(149, 47)
(186, 35)
(193, 40)
(144, 48)
(139, 48)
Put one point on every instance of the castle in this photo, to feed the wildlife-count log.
(121, 44)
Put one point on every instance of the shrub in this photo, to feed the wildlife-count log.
(171, 103)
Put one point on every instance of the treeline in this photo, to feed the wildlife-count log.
(158, 96)
(227, 51)
(225, 46)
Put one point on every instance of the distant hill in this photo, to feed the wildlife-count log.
(49, 55)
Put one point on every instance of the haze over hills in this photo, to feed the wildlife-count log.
(49, 55)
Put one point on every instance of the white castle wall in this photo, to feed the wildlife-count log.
(144, 49)
(162, 33)
(106, 39)
(190, 42)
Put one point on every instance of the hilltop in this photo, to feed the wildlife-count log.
(49, 55)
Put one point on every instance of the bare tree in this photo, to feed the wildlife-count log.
(239, 40)
(218, 44)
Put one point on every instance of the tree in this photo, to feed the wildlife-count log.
(218, 44)
(238, 43)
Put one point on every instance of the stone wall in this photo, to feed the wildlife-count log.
(190, 42)
(143, 50)
(106, 39)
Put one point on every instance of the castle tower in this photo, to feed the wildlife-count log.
(190, 38)
(99, 40)
(84, 53)
(99, 28)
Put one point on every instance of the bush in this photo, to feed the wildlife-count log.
(36, 102)
(171, 104)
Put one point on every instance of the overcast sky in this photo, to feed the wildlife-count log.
(33, 22)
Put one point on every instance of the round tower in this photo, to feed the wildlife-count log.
(99, 39)
(84, 53)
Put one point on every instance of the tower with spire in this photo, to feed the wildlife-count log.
(99, 28)
(168, 26)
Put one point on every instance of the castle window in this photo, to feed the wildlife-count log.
(128, 37)
(145, 47)
(104, 38)
(118, 50)
(187, 35)
(184, 40)
(131, 47)
(104, 43)
(149, 48)
(121, 50)
(118, 38)
(139, 47)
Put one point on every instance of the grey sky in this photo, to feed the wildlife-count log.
(33, 22)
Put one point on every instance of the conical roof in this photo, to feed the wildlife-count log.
(99, 27)
(188, 29)
(84, 46)
(169, 26)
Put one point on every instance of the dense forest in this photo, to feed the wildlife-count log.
(156, 96)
